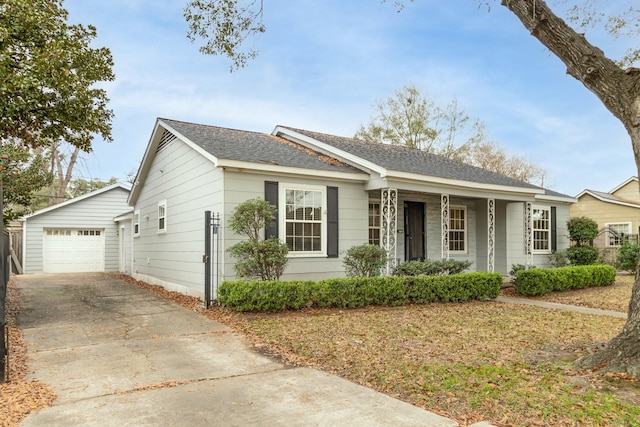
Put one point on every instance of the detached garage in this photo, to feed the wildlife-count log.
(79, 235)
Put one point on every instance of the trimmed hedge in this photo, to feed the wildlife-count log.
(357, 291)
(540, 281)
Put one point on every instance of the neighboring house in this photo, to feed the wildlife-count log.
(78, 235)
(331, 193)
(616, 212)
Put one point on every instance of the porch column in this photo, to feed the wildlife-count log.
(491, 234)
(528, 233)
(389, 208)
(444, 215)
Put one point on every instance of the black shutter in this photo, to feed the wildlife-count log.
(271, 196)
(554, 236)
(332, 222)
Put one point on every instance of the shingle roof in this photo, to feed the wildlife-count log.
(398, 158)
(255, 147)
(608, 197)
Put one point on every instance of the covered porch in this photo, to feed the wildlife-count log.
(492, 232)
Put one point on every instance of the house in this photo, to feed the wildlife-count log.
(617, 213)
(331, 193)
(78, 235)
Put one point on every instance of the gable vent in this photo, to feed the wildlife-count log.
(167, 138)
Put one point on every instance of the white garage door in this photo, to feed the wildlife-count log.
(73, 250)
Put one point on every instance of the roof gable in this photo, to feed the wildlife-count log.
(79, 199)
(242, 149)
(607, 198)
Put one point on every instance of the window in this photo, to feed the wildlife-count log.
(57, 232)
(304, 219)
(541, 226)
(162, 216)
(88, 232)
(136, 223)
(616, 231)
(457, 229)
(374, 223)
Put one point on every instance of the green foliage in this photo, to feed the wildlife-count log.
(20, 174)
(264, 259)
(49, 75)
(516, 268)
(256, 258)
(431, 267)
(80, 186)
(358, 291)
(559, 259)
(582, 230)
(249, 217)
(540, 281)
(224, 25)
(364, 260)
(583, 255)
(628, 256)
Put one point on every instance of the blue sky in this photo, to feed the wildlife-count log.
(323, 64)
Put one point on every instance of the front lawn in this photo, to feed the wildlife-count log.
(507, 364)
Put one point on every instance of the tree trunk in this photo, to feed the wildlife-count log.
(619, 91)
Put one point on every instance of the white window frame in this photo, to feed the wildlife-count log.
(375, 227)
(534, 229)
(609, 236)
(162, 204)
(464, 230)
(136, 223)
(282, 209)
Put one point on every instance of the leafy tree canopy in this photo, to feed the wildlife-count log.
(48, 76)
(48, 91)
(410, 119)
(21, 176)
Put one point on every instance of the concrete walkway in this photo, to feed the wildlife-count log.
(557, 306)
(117, 355)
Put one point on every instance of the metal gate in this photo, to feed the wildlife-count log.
(211, 257)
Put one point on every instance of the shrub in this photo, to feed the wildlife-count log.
(582, 230)
(516, 268)
(364, 261)
(540, 281)
(431, 268)
(357, 291)
(559, 259)
(582, 255)
(628, 256)
(256, 258)
(263, 260)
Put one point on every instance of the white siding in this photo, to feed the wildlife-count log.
(190, 185)
(353, 226)
(125, 246)
(515, 234)
(95, 212)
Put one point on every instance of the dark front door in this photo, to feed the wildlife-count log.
(413, 231)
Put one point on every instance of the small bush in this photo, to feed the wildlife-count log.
(628, 256)
(540, 281)
(582, 230)
(559, 259)
(431, 268)
(364, 261)
(263, 260)
(358, 291)
(583, 255)
(516, 268)
(257, 258)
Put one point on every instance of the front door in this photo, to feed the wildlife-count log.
(413, 231)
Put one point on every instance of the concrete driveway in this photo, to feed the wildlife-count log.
(117, 355)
